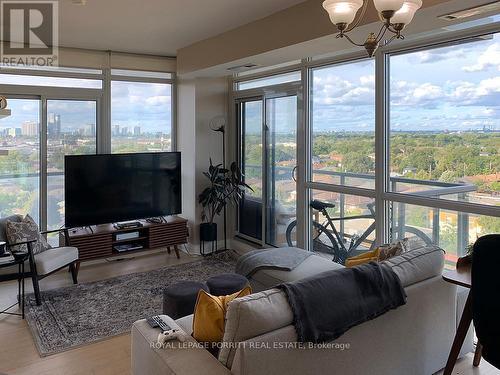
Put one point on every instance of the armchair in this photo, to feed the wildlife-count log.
(47, 262)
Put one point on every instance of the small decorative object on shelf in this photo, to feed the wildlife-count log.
(227, 186)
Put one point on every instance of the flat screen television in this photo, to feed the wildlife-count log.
(103, 189)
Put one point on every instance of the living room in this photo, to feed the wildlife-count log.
(184, 192)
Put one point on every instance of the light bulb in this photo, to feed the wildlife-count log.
(407, 12)
(388, 5)
(342, 11)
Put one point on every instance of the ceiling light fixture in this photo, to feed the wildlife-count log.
(395, 15)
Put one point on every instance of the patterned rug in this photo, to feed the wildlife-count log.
(82, 314)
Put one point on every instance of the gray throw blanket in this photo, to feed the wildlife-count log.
(327, 305)
(285, 258)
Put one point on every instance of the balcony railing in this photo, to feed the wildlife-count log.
(424, 188)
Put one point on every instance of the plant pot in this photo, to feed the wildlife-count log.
(208, 232)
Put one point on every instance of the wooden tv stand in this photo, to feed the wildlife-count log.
(99, 242)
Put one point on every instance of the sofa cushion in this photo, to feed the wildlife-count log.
(52, 259)
(418, 264)
(252, 316)
(210, 313)
(310, 266)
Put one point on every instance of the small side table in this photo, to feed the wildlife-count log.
(20, 284)
(461, 276)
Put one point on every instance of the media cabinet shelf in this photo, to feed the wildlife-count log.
(99, 243)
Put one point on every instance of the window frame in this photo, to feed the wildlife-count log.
(382, 194)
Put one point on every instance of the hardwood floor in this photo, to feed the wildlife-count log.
(18, 354)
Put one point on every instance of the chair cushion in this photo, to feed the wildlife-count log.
(55, 258)
(26, 230)
(3, 225)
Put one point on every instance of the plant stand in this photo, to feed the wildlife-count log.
(208, 235)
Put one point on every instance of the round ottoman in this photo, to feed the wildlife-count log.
(226, 284)
(179, 299)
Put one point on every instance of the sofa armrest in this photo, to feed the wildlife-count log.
(176, 359)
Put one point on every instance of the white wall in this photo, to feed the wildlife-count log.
(199, 101)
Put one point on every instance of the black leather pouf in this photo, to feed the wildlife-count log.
(226, 284)
(179, 299)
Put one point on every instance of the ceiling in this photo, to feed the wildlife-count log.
(157, 27)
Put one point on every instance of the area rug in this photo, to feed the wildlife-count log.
(85, 313)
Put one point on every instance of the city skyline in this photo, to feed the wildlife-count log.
(147, 105)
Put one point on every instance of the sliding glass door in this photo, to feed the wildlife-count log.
(20, 158)
(34, 140)
(281, 162)
(268, 157)
(251, 162)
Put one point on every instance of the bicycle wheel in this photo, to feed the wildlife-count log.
(411, 230)
(323, 240)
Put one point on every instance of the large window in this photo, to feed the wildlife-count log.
(445, 122)
(435, 162)
(141, 117)
(343, 124)
(71, 130)
(60, 112)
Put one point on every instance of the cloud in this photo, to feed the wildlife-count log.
(485, 93)
(404, 93)
(435, 55)
(489, 58)
(333, 90)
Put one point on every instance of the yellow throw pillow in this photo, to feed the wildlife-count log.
(369, 256)
(209, 315)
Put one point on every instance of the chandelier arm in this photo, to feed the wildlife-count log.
(391, 40)
(352, 41)
(361, 16)
(382, 32)
(391, 28)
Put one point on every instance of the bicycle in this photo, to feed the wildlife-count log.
(331, 242)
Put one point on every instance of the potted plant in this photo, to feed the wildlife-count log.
(226, 187)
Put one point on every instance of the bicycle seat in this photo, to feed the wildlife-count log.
(320, 206)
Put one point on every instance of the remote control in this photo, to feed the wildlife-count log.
(157, 322)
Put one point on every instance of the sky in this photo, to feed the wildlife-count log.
(451, 88)
(147, 105)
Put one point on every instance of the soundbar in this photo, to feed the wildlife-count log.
(128, 225)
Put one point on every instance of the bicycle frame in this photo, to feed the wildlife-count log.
(361, 239)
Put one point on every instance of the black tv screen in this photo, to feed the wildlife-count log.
(103, 189)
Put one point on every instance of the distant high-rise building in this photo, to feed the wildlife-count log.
(137, 131)
(54, 125)
(124, 131)
(14, 132)
(116, 130)
(29, 129)
(89, 130)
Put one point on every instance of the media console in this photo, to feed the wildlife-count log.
(102, 241)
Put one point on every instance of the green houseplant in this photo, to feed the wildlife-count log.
(227, 186)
